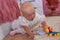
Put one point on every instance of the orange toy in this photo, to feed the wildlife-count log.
(48, 29)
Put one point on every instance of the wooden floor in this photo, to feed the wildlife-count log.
(18, 37)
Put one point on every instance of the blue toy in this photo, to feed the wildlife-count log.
(40, 32)
(54, 34)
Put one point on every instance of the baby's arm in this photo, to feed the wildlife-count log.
(29, 32)
(44, 24)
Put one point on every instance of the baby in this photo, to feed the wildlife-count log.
(27, 21)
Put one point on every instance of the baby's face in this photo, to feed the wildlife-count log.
(29, 13)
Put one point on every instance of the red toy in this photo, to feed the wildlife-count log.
(48, 29)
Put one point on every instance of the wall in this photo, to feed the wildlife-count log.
(4, 29)
(47, 11)
(38, 4)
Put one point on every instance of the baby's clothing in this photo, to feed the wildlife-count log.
(22, 21)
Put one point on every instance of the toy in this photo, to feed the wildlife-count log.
(58, 34)
(48, 29)
(40, 32)
(54, 34)
(50, 35)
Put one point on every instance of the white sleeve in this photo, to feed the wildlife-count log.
(41, 19)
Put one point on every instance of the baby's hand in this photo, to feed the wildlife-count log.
(32, 36)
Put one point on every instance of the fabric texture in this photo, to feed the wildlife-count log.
(9, 10)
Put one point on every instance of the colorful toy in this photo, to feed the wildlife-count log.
(48, 29)
(54, 34)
